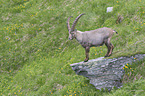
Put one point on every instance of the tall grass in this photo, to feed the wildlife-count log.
(35, 52)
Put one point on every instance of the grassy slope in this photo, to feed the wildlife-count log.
(35, 52)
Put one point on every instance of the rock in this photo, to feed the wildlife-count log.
(109, 9)
(105, 73)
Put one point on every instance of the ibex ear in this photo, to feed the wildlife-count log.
(73, 32)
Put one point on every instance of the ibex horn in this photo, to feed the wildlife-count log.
(68, 26)
(75, 22)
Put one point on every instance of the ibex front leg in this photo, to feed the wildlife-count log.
(87, 49)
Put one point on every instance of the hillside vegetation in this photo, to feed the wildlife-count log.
(35, 52)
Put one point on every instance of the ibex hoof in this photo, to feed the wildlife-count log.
(106, 56)
(86, 60)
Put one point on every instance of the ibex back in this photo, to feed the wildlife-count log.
(88, 39)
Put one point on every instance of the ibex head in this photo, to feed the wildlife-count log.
(72, 30)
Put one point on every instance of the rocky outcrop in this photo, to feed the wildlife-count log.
(105, 73)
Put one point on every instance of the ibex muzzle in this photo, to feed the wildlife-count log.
(92, 38)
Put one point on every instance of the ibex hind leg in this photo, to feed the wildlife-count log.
(108, 44)
(109, 48)
(112, 47)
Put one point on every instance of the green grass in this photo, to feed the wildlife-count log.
(35, 52)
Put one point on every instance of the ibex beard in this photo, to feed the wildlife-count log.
(92, 38)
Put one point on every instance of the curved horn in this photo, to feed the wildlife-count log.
(75, 22)
(68, 26)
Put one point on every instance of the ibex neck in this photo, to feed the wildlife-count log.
(79, 36)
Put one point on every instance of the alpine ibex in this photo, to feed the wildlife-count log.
(91, 38)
